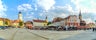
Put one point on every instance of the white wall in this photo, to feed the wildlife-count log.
(38, 24)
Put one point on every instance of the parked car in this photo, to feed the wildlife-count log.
(60, 28)
(3, 27)
(72, 28)
(51, 28)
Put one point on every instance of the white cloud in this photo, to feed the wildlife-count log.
(88, 20)
(86, 6)
(24, 7)
(2, 9)
(57, 11)
(46, 4)
(36, 7)
(41, 14)
(63, 15)
(69, 8)
(29, 16)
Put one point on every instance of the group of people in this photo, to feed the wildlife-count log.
(94, 29)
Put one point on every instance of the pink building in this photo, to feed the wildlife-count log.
(72, 20)
(29, 24)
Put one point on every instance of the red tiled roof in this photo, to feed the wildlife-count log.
(2, 19)
(15, 21)
(39, 20)
(70, 16)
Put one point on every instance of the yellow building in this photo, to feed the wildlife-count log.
(1, 22)
(15, 23)
(5, 22)
(91, 25)
(40, 23)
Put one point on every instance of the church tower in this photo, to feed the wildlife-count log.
(80, 16)
(20, 16)
(46, 19)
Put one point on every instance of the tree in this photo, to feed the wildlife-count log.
(82, 23)
(49, 23)
(95, 21)
(20, 23)
(6, 23)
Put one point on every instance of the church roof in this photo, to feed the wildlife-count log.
(39, 20)
(15, 21)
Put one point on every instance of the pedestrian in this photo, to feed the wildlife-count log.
(94, 29)
(66, 27)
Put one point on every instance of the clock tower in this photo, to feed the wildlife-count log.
(20, 16)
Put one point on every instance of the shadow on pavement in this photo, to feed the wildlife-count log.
(93, 39)
(2, 39)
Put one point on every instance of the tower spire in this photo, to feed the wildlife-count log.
(80, 16)
(46, 19)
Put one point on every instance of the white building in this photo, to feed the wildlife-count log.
(71, 20)
(39, 23)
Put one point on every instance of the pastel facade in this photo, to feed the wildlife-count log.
(91, 25)
(29, 24)
(5, 22)
(15, 23)
(1, 22)
(71, 20)
(40, 23)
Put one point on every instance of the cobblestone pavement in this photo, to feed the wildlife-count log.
(87, 35)
(26, 34)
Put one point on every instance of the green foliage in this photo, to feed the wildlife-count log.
(95, 20)
(6, 23)
(49, 23)
(20, 23)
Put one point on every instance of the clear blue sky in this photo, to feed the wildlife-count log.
(34, 9)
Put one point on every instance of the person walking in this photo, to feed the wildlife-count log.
(66, 27)
(94, 28)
